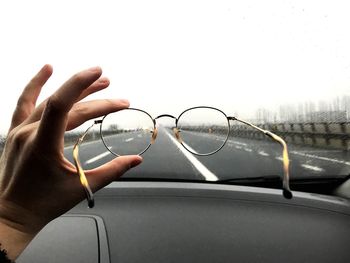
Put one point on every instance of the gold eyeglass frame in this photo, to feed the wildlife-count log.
(84, 182)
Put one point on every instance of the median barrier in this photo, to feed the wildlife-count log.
(335, 128)
(321, 127)
(335, 135)
(2, 143)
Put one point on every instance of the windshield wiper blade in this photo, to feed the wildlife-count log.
(159, 179)
(243, 180)
(265, 178)
(274, 178)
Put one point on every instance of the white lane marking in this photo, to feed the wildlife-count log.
(262, 153)
(320, 157)
(129, 140)
(313, 168)
(189, 148)
(208, 175)
(248, 150)
(139, 135)
(320, 151)
(279, 158)
(238, 147)
(238, 143)
(98, 157)
(82, 145)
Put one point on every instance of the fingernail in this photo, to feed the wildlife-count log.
(124, 101)
(103, 80)
(94, 69)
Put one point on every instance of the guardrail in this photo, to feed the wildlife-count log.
(2, 143)
(70, 139)
(334, 135)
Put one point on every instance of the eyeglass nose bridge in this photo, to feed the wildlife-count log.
(166, 115)
(175, 129)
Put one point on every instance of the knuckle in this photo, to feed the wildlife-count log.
(21, 100)
(11, 135)
(24, 103)
(24, 99)
(19, 135)
(79, 109)
(79, 78)
(110, 103)
(54, 104)
(77, 112)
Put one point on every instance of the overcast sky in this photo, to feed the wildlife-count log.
(165, 56)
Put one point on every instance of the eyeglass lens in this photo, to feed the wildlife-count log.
(201, 130)
(127, 132)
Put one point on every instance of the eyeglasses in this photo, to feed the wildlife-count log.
(202, 131)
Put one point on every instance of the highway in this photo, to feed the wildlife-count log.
(239, 158)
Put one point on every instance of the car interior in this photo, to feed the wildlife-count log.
(197, 222)
(233, 104)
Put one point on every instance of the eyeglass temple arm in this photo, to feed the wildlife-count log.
(80, 171)
(287, 193)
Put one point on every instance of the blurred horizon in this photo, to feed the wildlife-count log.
(333, 110)
(264, 61)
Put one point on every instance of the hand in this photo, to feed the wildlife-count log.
(37, 183)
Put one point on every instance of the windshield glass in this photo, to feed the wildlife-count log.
(281, 65)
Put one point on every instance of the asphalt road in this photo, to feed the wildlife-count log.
(239, 158)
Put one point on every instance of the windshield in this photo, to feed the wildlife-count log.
(283, 66)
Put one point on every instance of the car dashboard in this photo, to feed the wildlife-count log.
(194, 222)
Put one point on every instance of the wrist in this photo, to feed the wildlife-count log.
(13, 241)
(17, 228)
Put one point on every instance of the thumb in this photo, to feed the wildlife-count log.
(111, 171)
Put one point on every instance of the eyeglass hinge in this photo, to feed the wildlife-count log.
(97, 121)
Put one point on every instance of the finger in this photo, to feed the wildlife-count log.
(98, 85)
(54, 119)
(27, 100)
(84, 111)
(111, 171)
